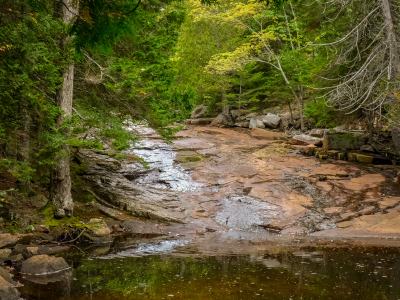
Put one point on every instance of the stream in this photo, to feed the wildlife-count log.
(236, 264)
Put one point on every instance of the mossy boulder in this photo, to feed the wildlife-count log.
(366, 159)
(344, 140)
(352, 156)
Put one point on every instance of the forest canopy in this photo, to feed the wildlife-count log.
(72, 73)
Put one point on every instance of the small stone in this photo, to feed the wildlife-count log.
(318, 133)
(323, 156)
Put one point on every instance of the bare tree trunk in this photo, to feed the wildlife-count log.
(393, 57)
(391, 39)
(291, 113)
(60, 190)
(300, 103)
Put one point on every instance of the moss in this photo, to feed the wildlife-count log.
(48, 213)
(366, 159)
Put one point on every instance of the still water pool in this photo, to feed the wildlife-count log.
(185, 272)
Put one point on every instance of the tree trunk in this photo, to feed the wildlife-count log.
(24, 143)
(60, 190)
(393, 58)
(291, 113)
(391, 39)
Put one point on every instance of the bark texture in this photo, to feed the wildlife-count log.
(60, 191)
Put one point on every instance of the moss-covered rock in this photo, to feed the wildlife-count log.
(366, 159)
(344, 140)
(352, 156)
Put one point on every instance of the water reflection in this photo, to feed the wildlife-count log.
(359, 273)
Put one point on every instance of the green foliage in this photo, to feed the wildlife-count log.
(48, 213)
(321, 114)
(20, 170)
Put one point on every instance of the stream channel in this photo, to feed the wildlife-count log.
(229, 265)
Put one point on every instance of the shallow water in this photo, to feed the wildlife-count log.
(179, 270)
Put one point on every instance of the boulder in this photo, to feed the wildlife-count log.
(248, 116)
(43, 265)
(8, 290)
(344, 140)
(272, 110)
(4, 254)
(8, 240)
(367, 148)
(98, 231)
(365, 159)
(303, 139)
(256, 122)
(199, 112)
(271, 120)
(236, 113)
(318, 133)
(243, 124)
(223, 120)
